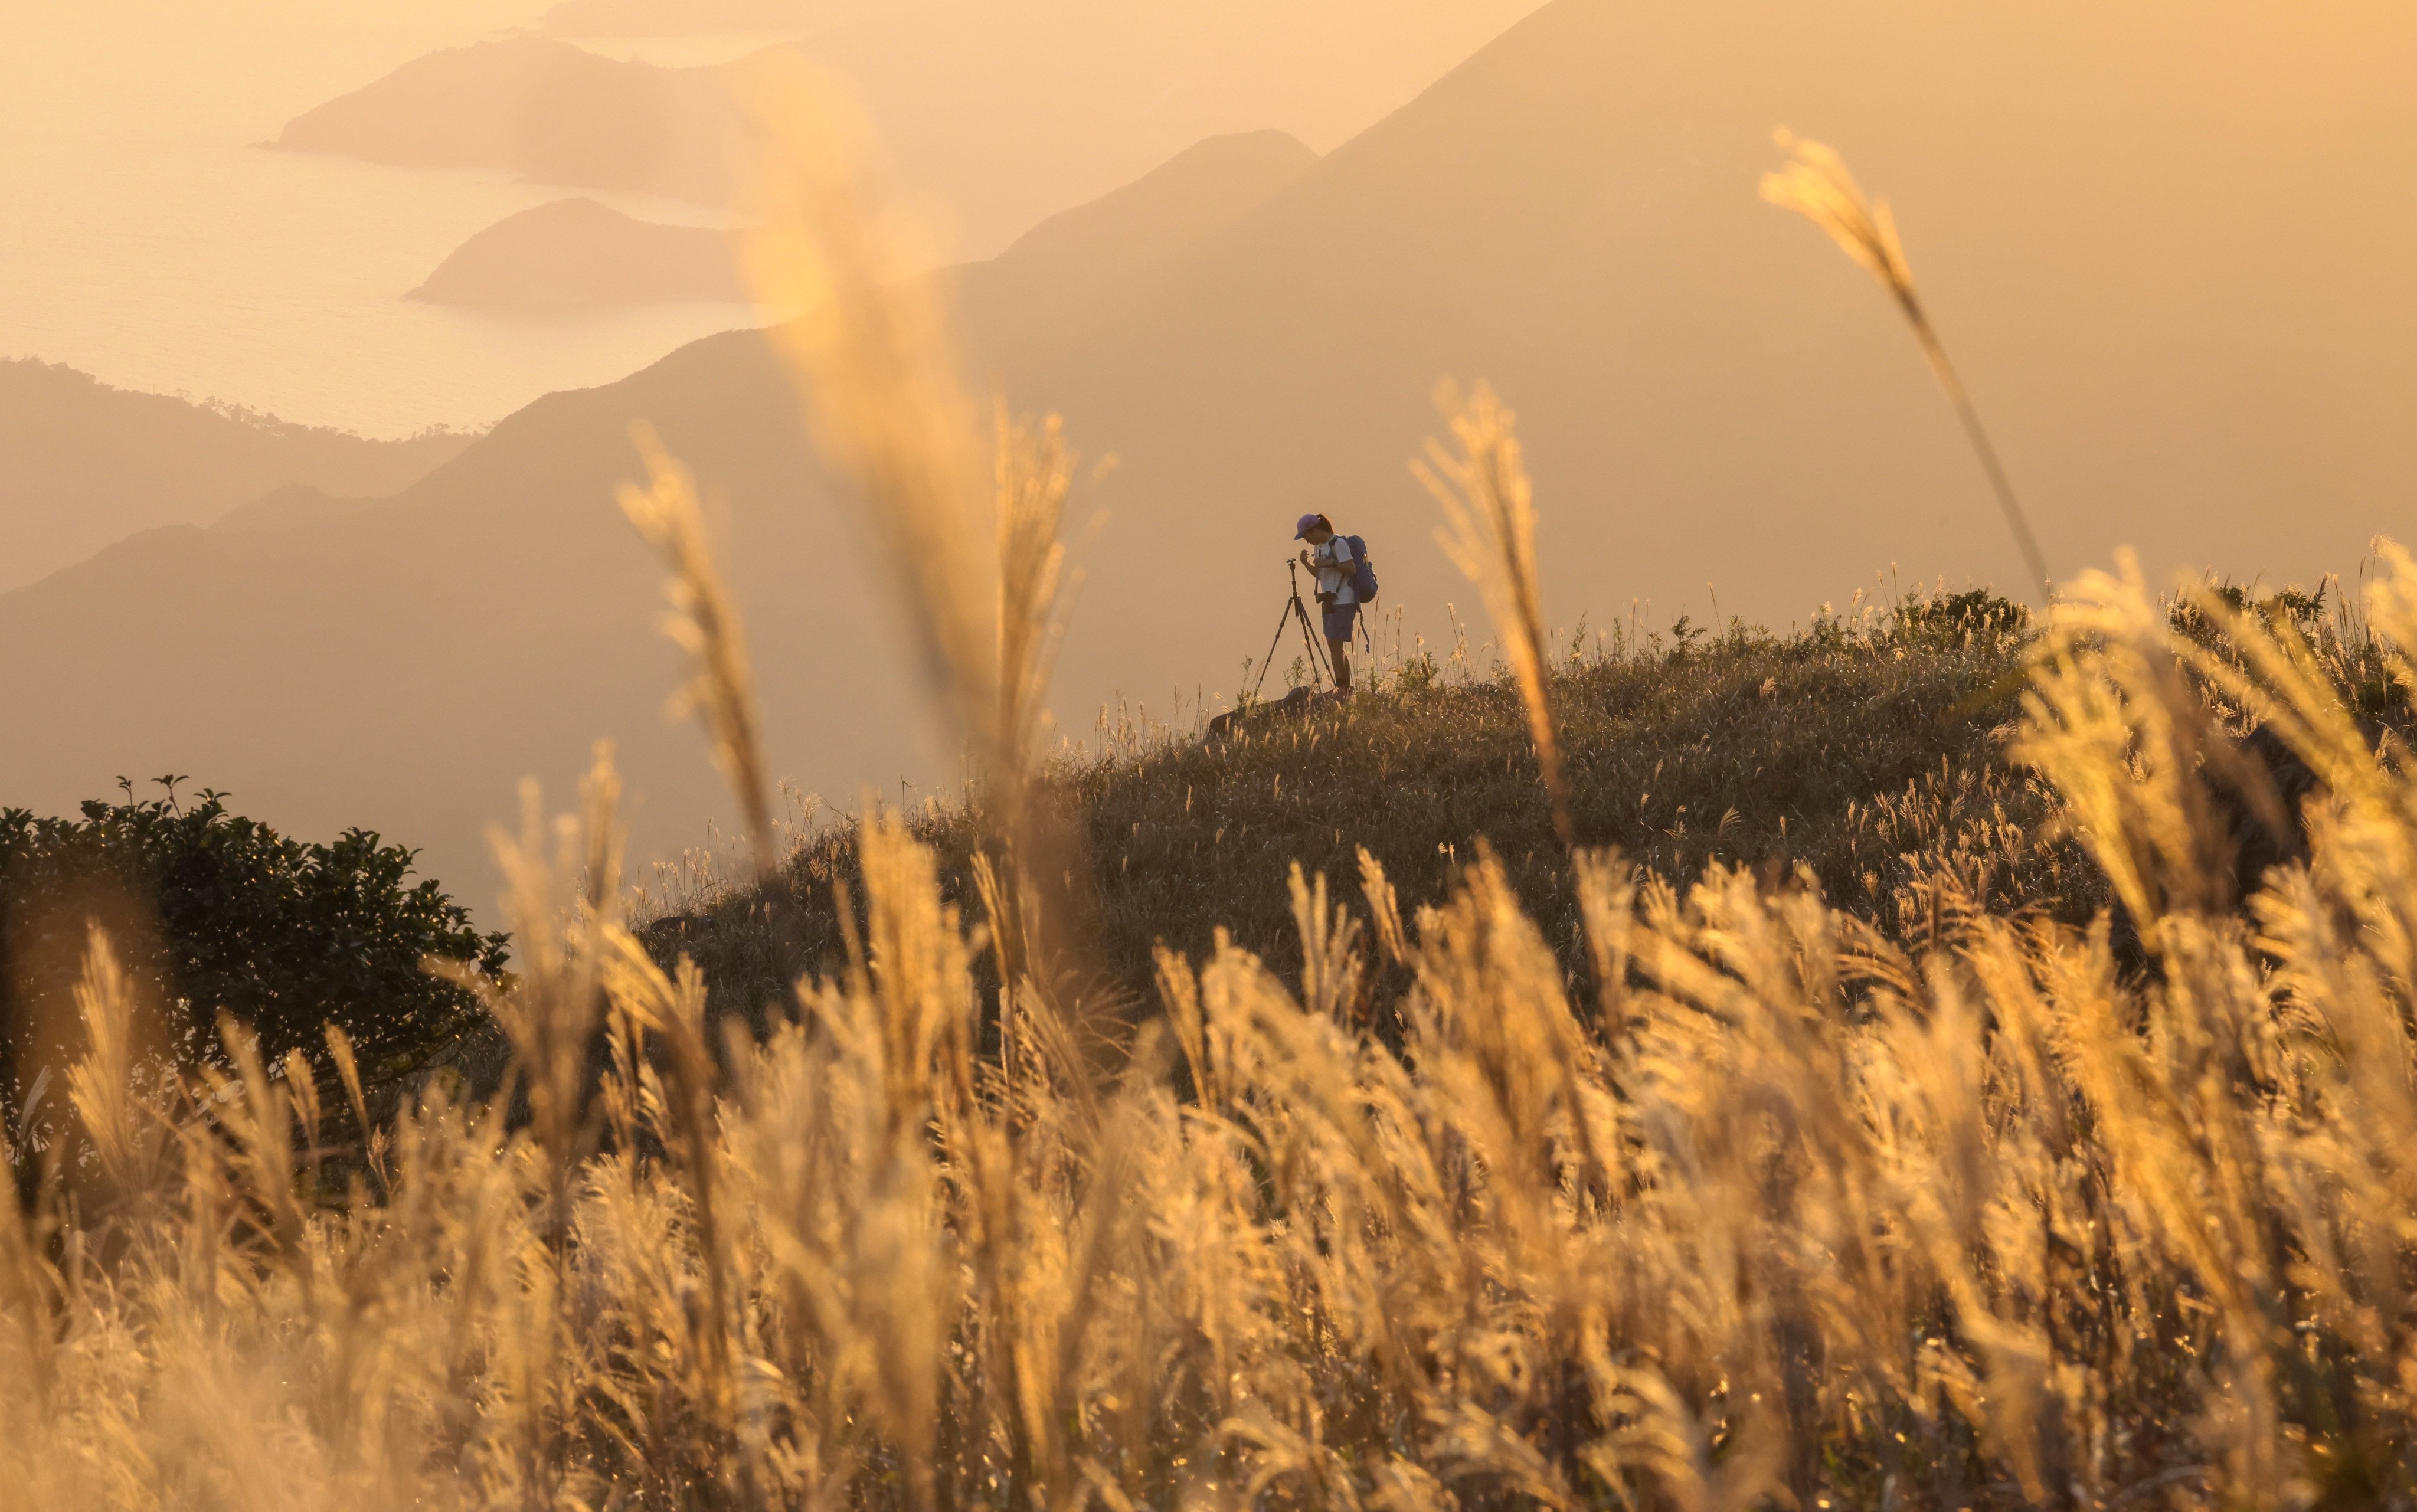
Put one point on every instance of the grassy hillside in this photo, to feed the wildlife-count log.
(1870, 754)
(1761, 1207)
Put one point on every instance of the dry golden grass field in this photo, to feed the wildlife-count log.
(1851, 1070)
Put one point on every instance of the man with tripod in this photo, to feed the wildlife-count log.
(1347, 583)
(1329, 555)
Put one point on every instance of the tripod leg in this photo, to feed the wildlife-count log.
(1319, 664)
(1283, 617)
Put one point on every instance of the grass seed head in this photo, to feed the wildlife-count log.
(1490, 534)
(703, 621)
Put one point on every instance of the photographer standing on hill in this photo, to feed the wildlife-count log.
(1342, 570)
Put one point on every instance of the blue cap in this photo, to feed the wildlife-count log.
(1300, 527)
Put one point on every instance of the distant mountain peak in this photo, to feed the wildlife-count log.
(1207, 185)
(296, 504)
(555, 112)
(88, 463)
(577, 254)
(691, 18)
(994, 112)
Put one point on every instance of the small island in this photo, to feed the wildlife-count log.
(544, 110)
(577, 254)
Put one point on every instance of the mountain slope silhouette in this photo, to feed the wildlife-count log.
(82, 464)
(572, 253)
(540, 108)
(994, 112)
(404, 663)
(1711, 395)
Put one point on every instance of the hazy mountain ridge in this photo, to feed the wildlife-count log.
(296, 504)
(408, 661)
(576, 254)
(1201, 190)
(1057, 289)
(678, 18)
(82, 464)
(540, 108)
(1708, 391)
(995, 114)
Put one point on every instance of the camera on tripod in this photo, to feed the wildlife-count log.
(1295, 612)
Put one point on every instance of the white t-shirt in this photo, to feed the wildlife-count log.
(1335, 564)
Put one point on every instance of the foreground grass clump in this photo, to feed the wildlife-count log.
(1756, 1208)
(1871, 754)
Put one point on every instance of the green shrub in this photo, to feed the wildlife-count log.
(214, 913)
(1953, 616)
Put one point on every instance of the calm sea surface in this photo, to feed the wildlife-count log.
(145, 237)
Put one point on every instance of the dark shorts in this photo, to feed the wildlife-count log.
(1338, 621)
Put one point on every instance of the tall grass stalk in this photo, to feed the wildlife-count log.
(872, 357)
(103, 1086)
(704, 623)
(1490, 510)
(1034, 478)
(980, 576)
(1817, 184)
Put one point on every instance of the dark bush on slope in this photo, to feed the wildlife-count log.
(214, 913)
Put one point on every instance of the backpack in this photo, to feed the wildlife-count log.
(1363, 573)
